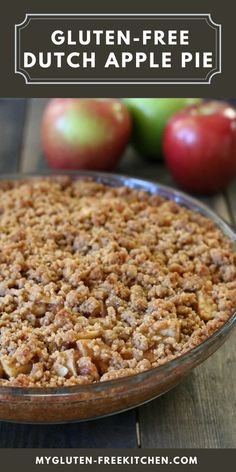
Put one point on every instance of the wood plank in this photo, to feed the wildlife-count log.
(12, 114)
(231, 197)
(32, 156)
(134, 165)
(113, 431)
(219, 204)
(200, 412)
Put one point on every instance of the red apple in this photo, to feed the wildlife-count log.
(200, 146)
(85, 133)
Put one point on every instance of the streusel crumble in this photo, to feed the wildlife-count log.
(98, 282)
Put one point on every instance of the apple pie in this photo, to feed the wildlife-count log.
(100, 282)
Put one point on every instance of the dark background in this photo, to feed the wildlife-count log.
(13, 85)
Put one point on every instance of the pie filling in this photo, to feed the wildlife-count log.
(98, 282)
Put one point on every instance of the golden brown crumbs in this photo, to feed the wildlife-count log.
(98, 283)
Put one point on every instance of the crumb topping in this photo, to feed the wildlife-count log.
(100, 282)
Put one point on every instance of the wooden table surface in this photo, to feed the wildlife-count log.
(201, 411)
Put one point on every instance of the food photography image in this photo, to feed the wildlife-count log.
(117, 272)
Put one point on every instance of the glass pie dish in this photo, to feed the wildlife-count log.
(83, 402)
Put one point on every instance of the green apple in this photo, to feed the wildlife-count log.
(150, 116)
